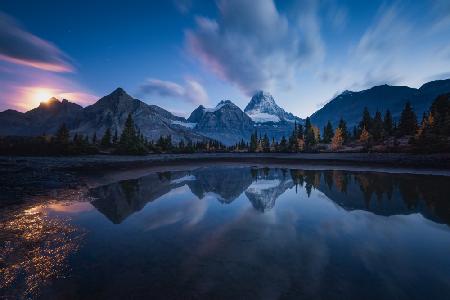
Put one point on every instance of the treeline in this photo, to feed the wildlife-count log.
(377, 133)
(130, 142)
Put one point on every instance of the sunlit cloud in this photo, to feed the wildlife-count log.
(21, 47)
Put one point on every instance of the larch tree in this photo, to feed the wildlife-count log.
(338, 139)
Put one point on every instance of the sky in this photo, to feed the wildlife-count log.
(179, 54)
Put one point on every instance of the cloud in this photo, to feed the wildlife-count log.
(385, 37)
(254, 46)
(21, 47)
(192, 91)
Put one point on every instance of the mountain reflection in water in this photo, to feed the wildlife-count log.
(233, 232)
(380, 193)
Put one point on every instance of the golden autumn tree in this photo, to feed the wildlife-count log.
(338, 139)
(364, 137)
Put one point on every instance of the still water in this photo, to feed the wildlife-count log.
(237, 233)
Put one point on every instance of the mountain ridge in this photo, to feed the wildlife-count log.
(350, 104)
(225, 122)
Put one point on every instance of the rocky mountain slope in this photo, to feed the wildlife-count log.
(43, 119)
(113, 109)
(110, 111)
(226, 122)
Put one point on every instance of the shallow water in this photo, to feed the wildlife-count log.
(235, 233)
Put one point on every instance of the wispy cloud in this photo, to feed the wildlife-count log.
(192, 91)
(22, 47)
(255, 46)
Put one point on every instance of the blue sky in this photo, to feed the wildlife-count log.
(182, 53)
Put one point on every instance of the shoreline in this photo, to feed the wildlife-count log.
(87, 162)
(25, 177)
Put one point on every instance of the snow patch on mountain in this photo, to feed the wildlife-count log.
(260, 117)
(185, 124)
(259, 186)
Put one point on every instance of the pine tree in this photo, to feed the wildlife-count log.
(440, 110)
(328, 133)
(408, 121)
(300, 132)
(310, 135)
(388, 125)
(94, 138)
(377, 127)
(283, 145)
(366, 121)
(253, 142)
(266, 143)
(307, 124)
(344, 131)
(106, 139)
(129, 140)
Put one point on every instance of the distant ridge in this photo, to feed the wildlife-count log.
(349, 105)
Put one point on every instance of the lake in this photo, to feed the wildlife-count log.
(235, 232)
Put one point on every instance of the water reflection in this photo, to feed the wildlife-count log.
(380, 193)
(35, 248)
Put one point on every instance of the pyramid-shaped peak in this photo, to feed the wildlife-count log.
(119, 91)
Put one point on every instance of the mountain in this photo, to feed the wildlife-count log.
(110, 111)
(229, 124)
(350, 105)
(113, 109)
(45, 118)
(226, 122)
(262, 108)
(267, 187)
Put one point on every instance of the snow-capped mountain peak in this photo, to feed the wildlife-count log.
(262, 108)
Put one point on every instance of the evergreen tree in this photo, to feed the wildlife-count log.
(408, 121)
(253, 142)
(377, 127)
(307, 124)
(440, 111)
(62, 135)
(106, 139)
(94, 138)
(388, 125)
(266, 143)
(344, 131)
(328, 133)
(300, 132)
(310, 135)
(129, 140)
(366, 121)
(283, 145)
